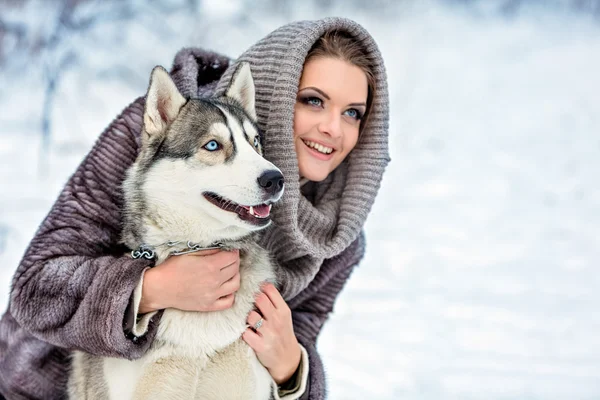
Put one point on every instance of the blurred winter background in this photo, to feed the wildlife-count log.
(479, 280)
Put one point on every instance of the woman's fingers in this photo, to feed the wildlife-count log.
(264, 305)
(229, 264)
(223, 303)
(253, 319)
(253, 337)
(254, 340)
(276, 299)
(231, 286)
(274, 341)
(202, 253)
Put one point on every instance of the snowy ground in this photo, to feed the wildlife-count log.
(479, 280)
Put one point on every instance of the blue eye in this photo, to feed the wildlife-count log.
(313, 101)
(353, 113)
(256, 142)
(213, 145)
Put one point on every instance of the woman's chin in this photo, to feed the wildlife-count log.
(314, 174)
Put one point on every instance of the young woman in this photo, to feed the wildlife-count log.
(321, 102)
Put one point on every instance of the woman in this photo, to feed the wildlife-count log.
(324, 115)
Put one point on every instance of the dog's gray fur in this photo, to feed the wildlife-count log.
(195, 355)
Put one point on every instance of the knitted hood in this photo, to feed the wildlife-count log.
(325, 225)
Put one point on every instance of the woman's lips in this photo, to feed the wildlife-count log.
(317, 154)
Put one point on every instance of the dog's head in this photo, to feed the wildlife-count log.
(203, 158)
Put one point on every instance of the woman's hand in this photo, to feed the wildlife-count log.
(202, 281)
(274, 342)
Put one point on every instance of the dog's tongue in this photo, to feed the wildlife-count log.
(262, 211)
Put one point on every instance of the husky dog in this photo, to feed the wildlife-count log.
(200, 177)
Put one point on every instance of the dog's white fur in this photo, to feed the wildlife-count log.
(195, 355)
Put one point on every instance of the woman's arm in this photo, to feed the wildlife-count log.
(311, 308)
(289, 333)
(74, 283)
(285, 341)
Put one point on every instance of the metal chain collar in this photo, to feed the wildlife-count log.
(148, 252)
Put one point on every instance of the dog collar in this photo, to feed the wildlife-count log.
(149, 252)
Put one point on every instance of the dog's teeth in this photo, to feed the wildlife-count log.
(252, 210)
(270, 206)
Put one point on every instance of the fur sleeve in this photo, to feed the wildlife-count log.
(74, 283)
(311, 308)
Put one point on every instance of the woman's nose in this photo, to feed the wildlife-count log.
(331, 125)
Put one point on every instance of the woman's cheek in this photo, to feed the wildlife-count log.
(300, 121)
(351, 140)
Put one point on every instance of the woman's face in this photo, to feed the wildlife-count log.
(332, 98)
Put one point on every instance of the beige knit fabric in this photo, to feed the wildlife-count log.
(306, 233)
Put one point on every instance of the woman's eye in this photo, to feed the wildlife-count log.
(353, 113)
(256, 142)
(212, 145)
(313, 101)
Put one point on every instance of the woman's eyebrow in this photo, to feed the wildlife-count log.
(357, 105)
(322, 93)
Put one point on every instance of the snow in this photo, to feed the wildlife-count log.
(479, 278)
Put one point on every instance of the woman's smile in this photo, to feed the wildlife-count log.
(318, 150)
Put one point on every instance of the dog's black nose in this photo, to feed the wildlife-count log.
(271, 181)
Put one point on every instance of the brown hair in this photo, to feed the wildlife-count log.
(339, 44)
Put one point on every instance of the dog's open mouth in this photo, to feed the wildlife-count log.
(258, 214)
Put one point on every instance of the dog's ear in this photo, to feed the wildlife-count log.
(241, 89)
(163, 102)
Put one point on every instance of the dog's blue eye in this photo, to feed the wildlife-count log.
(256, 142)
(212, 145)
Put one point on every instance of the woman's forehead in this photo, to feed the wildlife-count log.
(337, 78)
